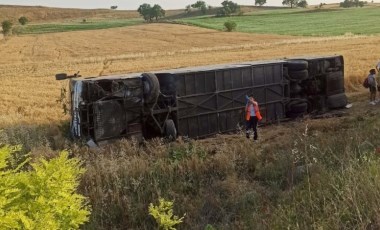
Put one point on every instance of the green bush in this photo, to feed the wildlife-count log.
(43, 197)
(7, 27)
(163, 214)
(230, 26)
(23, 20)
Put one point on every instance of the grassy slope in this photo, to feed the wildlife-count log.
(320, 173)
(325, 22)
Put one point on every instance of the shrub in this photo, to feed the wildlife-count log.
(163, 214)
(23, 20)
(41, 198)
(230, 26)
(7, 27)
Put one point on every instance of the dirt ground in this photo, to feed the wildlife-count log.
(28, 89)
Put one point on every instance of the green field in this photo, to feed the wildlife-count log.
(74, 26)
(305, 22)
(316, 22)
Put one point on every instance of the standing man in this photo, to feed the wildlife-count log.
(378, 72)
(372, 86)
(251, 109)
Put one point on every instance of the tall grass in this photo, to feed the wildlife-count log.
(329, 22)
(311, 174)
(340, 183)
(200, 180)
(314, 178)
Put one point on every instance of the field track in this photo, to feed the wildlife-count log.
(28, 63)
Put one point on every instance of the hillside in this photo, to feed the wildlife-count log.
(37, 14)
(264, 20)
(328, 21)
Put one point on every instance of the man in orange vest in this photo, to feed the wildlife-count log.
(252, 116)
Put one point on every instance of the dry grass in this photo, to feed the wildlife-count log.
(49, 14)
(28, 63)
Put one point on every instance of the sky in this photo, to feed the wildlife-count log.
(134, 4)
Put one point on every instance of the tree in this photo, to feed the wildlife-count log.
(7, 26)
(23, 20)
(234, 7)
(201, 5)
(290, 3)
(148, 12)
(145, 11)
(157, 12)
(228, 8)
(361, 3)
(352, 3)
(113, 7)
(302, 3)
(260, 2)
(188, 9)
(345, 4)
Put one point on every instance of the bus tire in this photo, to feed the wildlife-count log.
(151, 89)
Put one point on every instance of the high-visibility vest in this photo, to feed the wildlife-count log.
(248, 113)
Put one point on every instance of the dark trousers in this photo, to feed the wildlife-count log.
(251, 124)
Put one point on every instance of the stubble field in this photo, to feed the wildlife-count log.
(28, 63)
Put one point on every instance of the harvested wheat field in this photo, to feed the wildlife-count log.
(29, 63)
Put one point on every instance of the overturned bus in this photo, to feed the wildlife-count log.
(202, 101)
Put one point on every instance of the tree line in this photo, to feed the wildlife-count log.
(229, 8)
(6, 25)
